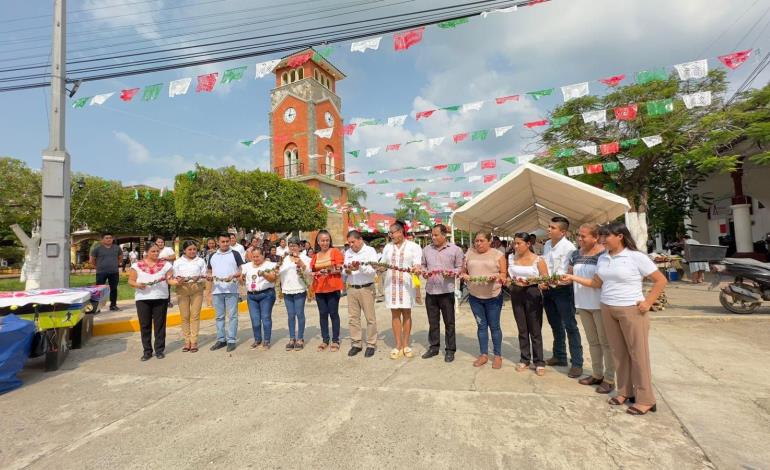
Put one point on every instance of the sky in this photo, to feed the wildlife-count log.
(552, 44)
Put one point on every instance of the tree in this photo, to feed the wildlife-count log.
(20, 195)
(356, 197)
(664, 175)
(213, 199)
(411, 208)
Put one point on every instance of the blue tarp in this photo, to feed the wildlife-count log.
(15, 340)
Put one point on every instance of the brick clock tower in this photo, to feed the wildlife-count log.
(303, 101)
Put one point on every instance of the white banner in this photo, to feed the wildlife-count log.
(362, 46)
(696, 69)
(577, 90)
(179, 87)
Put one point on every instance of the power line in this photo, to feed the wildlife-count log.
(759, 19)
(705, 49)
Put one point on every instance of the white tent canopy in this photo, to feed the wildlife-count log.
(530, 196)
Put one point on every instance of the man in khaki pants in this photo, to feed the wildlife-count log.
(361, 293)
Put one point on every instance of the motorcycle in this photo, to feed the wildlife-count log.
(750, 285)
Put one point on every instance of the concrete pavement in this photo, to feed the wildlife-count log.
(276, 409)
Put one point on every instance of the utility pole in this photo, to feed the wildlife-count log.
(55, 229)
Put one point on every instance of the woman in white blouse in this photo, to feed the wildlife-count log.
(151, 277)
(294, 268)
(190, 275)
(625, 313)
(259, 275)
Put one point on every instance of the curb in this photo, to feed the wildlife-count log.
(172, 319)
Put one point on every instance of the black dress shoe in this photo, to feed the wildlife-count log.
(160, 355)
(146, 357)
(369, 352)
(218, 345)
(353, 351)
(230, 347)
(449, 356)
(430, 353)
(114, 308)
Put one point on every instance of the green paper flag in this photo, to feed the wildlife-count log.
(452, 23)
(152, 92)
(354, 153)
(460, 178)
(479, 135)
(323, 53)
(560, 121)
(660, 107)
(371, 122)
(511, 160)
(611, 186)
(147, 195)
(561, 153)
(628, 143)
(611, 167)
(648, 76)
(453, 167)
(192, 175)
(371, 172)
(232, 75)
(452, 108)
(413, 142)
(247, 143)
(80, 102)
(536, 95)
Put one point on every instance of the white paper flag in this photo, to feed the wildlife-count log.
(575, 170)
(589, 149)
(397, 120)
(426, 168)
(469, 166)
(652, 140)
(455, 194)
(370, 152)
(475, 106)
(435, 142)
(484, 14)
(628, 163)
(100, 99)
(179, 87)
(264, 68)
(695, 100)
(324, 133)
(472, 179)
(696, 69)
(500, 131)
(521, 159)
(379, 172)
(599, 117)
(362, 46)
(577, 90)
(260, 138)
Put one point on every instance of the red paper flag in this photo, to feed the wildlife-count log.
(400, 195)
(505, 99)
(626, 113)
(432, 193)
(392, 147)
(593, 169)
(540, 123)
(128, 95)
(348, 130)
(371, 182)
(488, 164)
(406, 39)
(489, 178)
(736, 59)
(298, 60)
(424, 114)
(614, 80)
(408, 180)
(206, 82)
(467, 193)
(460, 137)
(441, 167)
(447, 178)
(609, 149)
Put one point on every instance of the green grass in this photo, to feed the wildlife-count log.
(76, 280)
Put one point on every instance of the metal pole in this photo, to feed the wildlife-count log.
(55, 228)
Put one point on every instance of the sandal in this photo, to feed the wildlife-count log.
(408, 352)
(299, 345)
(335, 347)
(186, 348)
(615, 402)
(521, 367)
(323, 346)
(290, 345)
(540, 371)
(634, 411)
(483, 359)
(396, 353)
(194, 348)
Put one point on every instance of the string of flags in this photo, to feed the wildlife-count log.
(402, 41)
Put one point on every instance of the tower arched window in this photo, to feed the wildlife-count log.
(316, 76)
(284, 78)
(291, 165)
(292, 76)
(329, 169)
(300, 74)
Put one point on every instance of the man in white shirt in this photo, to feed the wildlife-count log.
(361, 293)
(559, 302)
(235, 246)
(282, 250)
(224, 268)
(166, 253)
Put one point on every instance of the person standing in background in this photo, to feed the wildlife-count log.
(106, 258)
(168, 254)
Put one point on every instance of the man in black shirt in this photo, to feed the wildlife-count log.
(106, 257)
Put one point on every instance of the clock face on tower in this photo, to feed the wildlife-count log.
(329, 119)
(289, 115)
